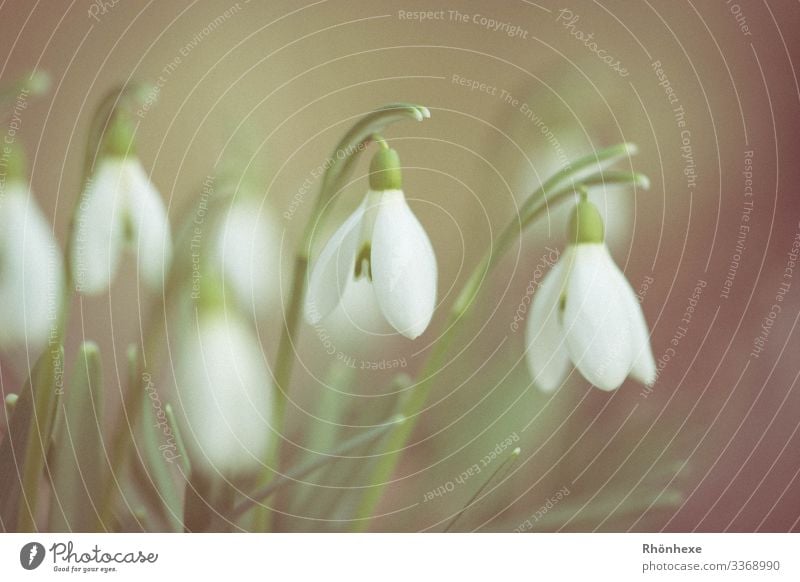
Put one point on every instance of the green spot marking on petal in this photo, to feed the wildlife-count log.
(562, 305)
(363, 258)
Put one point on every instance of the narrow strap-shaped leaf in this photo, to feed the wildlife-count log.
(79, 463)
(162, 491)
(479, 496)
(45, 381)
(310, 466)
(12, 456)
(322, 430)
(140, 457)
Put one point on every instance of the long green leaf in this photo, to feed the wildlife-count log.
(479, 496)
(320, 433)
(12, 455)
(310, 466)
(79, 454)
(45, 384)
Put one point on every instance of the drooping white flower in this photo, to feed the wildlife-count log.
(383, 242)
(119, 207)
(225, 395)
(31, 269)
(586, 314)
(247, 248)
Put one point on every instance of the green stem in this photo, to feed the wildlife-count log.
(588, 171)
(43, 385)
(496, 476)
(309, 467)
(285, 357)
(342, 163)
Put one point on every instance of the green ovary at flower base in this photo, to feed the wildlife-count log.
(383, 242)
(586, 314)
(119, 206)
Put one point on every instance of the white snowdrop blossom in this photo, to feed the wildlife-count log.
(119, 207)
(225, 396)
(31, 270)
(586, 314)
(383, 242)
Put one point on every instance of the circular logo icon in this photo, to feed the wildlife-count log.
(31, 555)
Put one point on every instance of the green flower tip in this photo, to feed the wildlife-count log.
(118, 139)
(384, 171)
(90, 349)
(423, 113)
(11, 401)
(630, 148)
(585, 224)
(210, 297)
(38, 83)
(16, 163)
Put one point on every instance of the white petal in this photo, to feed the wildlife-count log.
(225, 393)
(99, 228)
(547, 356)
(358, 313)
(151, 233)
(595, 321)
(644, 364)
(31, 271)
(334, 268)
(248, 249)
(404, 270)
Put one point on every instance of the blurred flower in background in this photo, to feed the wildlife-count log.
(247, 250)
(225, 395)
(31, 267)
(119, 208)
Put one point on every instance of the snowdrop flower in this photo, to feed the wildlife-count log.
(119, 207)
(225, 393)
(383, 242)
(587, 314)
(247, 249)
(31, 267)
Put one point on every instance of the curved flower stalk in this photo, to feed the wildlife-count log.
(383, 243)
(586, 314)
(614, 202)
(31, 267)
(225, 396)
(119, 207)
(247, 249)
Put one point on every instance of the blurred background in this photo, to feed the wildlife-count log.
(515, 89)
